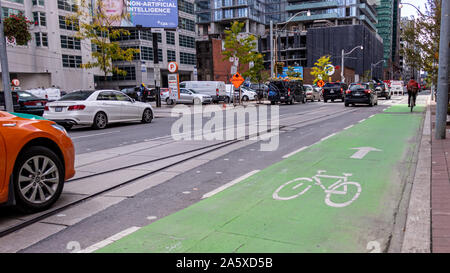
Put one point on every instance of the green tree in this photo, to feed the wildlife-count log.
(319, 70)
(242, 46)
(421, 37)
(99, 31)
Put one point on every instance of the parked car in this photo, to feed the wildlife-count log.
(15, 101)
(382, 90)
(312, 93)
(215, 89)
(246, 93)
(358, 93)
(37, 157)
(97, 108)
(25, 102)
(262, 90)
(50, 94)
(333, 91)
(189, 96)
(133, 92)
(397, 87)
(288, 92)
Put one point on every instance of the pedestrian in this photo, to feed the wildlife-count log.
(412, 88)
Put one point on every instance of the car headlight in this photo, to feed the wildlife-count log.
(59, 127)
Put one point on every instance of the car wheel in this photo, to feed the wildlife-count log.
(197, 101)
(332, 100)
(304, 100)
(38, 179)
(371, 103)
(245, 98)
(272, 102)
(227, 100)
(346, 104)
(147, 116)
(324, 100)
(100, 121)
(68, 126)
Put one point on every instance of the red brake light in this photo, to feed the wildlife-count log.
(348, 91)
(76, 107)
(289, 91)
(217, 91)
(367, 91)
(46, 108)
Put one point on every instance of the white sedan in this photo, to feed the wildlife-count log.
(97, 108)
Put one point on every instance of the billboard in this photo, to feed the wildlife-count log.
(145, 13)
(298, 69)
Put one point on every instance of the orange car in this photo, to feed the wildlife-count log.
(37, 156)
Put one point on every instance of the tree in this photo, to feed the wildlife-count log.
(319, 70)
(243, 47)
(98, 29)
(421, 37)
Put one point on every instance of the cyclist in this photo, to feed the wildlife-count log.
(412, 88)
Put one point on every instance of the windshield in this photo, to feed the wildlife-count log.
(358, 86)
(332, 84)
(193, 91)
(77, 95)
(26, 95)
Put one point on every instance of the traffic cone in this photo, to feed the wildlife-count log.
(224, 105)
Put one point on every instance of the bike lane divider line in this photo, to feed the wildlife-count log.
(319, 200)
(109, 240)
(294, 152)
(229, 184)
(327, 137)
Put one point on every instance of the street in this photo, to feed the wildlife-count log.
(136, 179)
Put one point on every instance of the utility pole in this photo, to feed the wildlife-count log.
(443, 75)
(272, 63)
(5, 70)
(342, 66)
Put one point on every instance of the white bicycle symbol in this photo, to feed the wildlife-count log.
(341, 187)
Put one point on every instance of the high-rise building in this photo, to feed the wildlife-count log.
(388, 28)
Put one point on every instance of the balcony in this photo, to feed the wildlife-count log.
(309, 6)
(315, 17)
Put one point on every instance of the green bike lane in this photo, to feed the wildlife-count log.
(259, 214)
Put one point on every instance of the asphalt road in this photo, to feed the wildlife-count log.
(187, 188)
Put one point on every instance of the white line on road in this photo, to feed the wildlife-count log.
(294, 152)
(371, 116)
(361, 120)
(95, 135)
(325, 138)
(109, 240)
(348, 127)
(229, 184)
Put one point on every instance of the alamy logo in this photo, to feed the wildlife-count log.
(211, 123)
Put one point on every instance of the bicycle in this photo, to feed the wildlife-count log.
(413, 98)
(341, 187)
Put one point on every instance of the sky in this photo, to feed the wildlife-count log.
(407, 10)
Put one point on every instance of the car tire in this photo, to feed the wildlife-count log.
(23, 188)
(68, 126)
(332, 100)
(324, 100)
(244, 98)
(197, 101)
(147, 116)
(304, 100)
(100, 121)
(346, 104)
(272, 102)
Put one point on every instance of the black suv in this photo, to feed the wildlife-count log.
(25, 102)
(286, 91)
(382, 90)
(132, 92)
(361, 93)
(333, 91)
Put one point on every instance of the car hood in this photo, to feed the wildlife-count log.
(27, 116)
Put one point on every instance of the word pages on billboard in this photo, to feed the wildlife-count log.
(145, 13)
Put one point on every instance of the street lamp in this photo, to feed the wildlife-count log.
(401, 6)
(274, 48)
(374, 65)
(342, 60)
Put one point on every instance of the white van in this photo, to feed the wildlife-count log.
(214, 89)
(51, 94)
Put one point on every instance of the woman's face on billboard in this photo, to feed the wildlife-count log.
(112, 7)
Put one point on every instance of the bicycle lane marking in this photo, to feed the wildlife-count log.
(246, 217)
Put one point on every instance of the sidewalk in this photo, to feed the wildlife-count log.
(440, 190)
(338, 195)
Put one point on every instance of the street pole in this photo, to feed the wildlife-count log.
(5, 70)
(443, 75)
(272, 63)
(342, 66)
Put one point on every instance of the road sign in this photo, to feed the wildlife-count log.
(320, 83)
(15, 82)
(237, 80)
(329, 69)
(172, 67)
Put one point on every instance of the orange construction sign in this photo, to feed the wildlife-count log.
(320, 83)
(237, 80)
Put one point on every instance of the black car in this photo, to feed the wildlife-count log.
(132, 92)
(382, 90)
(286, 91)
(361, 93)
(25, 102)
(333, 91)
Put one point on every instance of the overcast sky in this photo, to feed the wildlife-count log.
(407, 10)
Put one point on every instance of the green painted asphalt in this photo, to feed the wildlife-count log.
(247, 218)
(404, 108)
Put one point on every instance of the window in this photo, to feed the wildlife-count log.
(16, 1)
(70, 42)
(187, 58)
(9, 11)
(187, 41)
(242, 12)
(171, 56)
(67, 25)
(186, 6)
(146, 53)
(68, 5)
(186, 24)
(228, 13)
(227, 3)
(130, 76)
(121, 97)
(134, 35)
(107, 95)
(146, 35)
(218, 15)
(39, 3)
(39, 18)
(160, 55)
(71, 61)
(170, 38)
(41, 39)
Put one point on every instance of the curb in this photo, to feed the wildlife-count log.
(417, 236)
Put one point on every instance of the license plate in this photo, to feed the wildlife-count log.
(331, 92)
(58, 109)
(282, 98)
(357, 94)
(39, 104)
